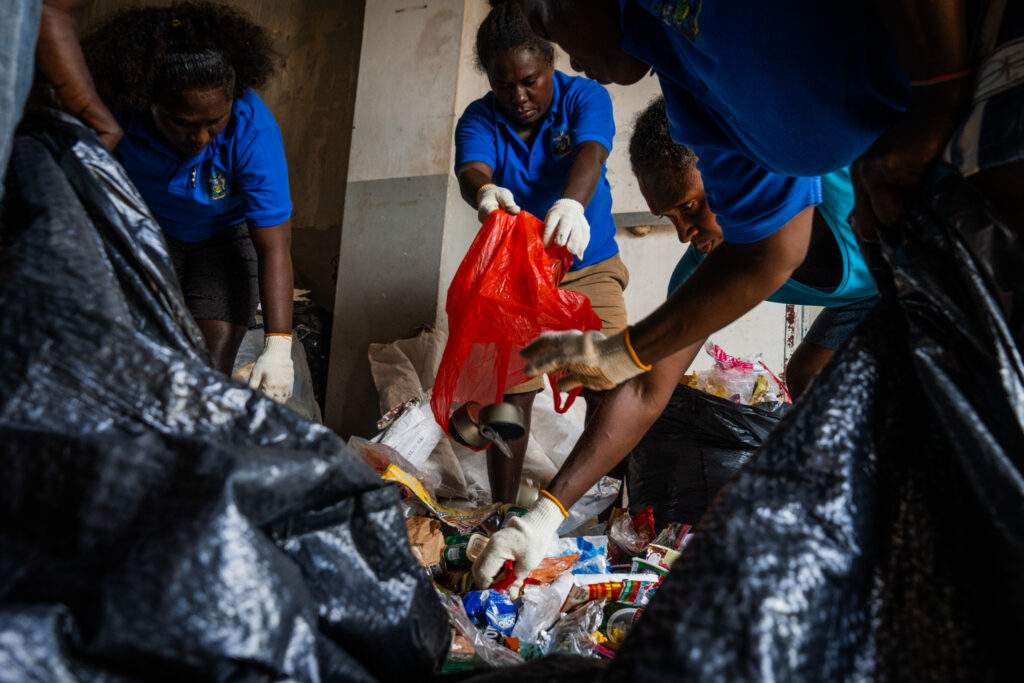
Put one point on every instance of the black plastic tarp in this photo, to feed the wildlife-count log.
(879, 532)
(157, 520)
(694, 447)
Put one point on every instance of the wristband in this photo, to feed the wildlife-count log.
(481, 189)
(632, 353)
(555, 501)
(941, 79)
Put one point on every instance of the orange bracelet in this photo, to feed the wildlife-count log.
(277, 334)
(554, 500)
(941, 79)
(632, 353)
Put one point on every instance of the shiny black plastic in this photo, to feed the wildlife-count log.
(879, 532)
(157, 520)
(692, 450)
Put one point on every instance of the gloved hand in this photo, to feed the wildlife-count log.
(524, 541)
(273, 373)
(490, 198)
(569, 227)
(591, 359)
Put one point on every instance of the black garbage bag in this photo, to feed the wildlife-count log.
(692, 450)
(157, 520)
(878, 534)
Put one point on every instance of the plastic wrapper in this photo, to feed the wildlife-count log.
(590, 551)
(425, 539)
(574, 633)
(488, 650)
(633, 532)
(592, 503)
(381, 456)
(541, 608)
(504, 294)
(413, 432)
(746, 381)
(159, 521)
(463, 520)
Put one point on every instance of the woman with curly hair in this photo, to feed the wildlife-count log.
(208, 158)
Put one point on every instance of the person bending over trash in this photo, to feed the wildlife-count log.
(833, 275)
(771, 95)
(539, 140)
(208, 158)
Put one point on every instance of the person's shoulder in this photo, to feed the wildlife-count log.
(580, 88)
(481, 108)
(252, 115)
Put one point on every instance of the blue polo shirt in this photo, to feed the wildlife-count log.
(240, 176)
(767, 91)
(581, 110)
(855, 282)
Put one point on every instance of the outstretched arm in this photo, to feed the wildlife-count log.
(59, 59)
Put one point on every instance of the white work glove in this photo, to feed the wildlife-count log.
(591, 359)
(273, 373)
(490, 198)
(568, 226)
(524, 541)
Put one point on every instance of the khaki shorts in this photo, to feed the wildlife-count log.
(602, 283)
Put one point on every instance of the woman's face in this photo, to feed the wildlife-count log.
(191, 119)
(680, 198)
(589, 31)
(521, 81)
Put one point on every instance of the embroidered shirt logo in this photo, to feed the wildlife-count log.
(217, 185)
(680, 15)
(561, 141)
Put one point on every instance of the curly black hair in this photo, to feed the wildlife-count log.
(504, 29)
(138, 55)
(651, 147)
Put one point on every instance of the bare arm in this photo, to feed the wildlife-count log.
(59, 59)
(472, 176)
(273, 249)
(731, 281)
(621, 420)
(930, 37)
(587, 161)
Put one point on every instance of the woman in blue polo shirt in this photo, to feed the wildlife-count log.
(539, 140)
(207, 156)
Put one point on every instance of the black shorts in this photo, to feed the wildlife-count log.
(219, 276)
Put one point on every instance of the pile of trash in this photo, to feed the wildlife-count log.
(746, 381)
(583, 598)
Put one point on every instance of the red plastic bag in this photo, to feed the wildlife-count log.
(504, 294)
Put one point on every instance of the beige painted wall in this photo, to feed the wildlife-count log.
(312, 97)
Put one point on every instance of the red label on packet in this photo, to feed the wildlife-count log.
(504, 578)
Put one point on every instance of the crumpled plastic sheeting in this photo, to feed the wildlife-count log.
(879, 532)
(158, 521)
(695, 446)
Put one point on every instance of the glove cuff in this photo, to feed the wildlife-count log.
(546, 516)
(569, 204)
(276, 345)
(618, 359)
(480, 191)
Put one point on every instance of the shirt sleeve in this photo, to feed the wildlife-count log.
(475, 138)
(749, 201)
(261, 178)
(591, 116)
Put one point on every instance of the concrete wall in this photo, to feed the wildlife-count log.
(406, 227)
(312, 97)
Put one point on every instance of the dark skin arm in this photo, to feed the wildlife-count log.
(273, 249)
(617, 425)
(732, 280)
(587, 160)
(930, 37)
(59, 59)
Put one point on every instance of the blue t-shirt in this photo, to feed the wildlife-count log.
(581, 110)
(240, 176)
(855, 283)
(765, 92)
